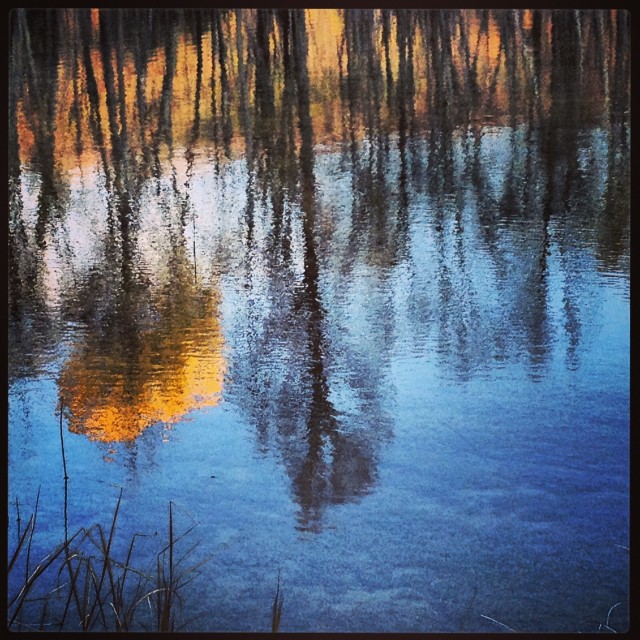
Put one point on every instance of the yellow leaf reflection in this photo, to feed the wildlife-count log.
(113, 392)
(490, 57)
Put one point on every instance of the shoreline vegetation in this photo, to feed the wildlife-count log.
(95, 590)
(84, 584)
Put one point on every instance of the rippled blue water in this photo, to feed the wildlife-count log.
(464, 450)
(392, 374)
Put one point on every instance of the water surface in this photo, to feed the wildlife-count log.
(349, 288)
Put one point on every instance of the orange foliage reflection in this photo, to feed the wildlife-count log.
(496, 52)
(113, 395)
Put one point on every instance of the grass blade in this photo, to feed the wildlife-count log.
(504, 626)
(276, 612)
(107, 552)
(21, 542)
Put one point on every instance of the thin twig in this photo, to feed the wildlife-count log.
(617, 604)
(64, 459)
(463, 620)
(499, 623)
(276, 613)
(33, 528)
(18, 515)
(107, 552)
(66, 475)
(16, 553)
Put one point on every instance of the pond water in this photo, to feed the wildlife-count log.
(348, 288)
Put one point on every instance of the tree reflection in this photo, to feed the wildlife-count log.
(135, 364)
(133, 374)
(484, 145)
(328, 459)
(151, 352)
(34, 72)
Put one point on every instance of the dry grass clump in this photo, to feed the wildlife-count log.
(81, 585)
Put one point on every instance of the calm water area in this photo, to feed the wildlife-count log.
(349, 289)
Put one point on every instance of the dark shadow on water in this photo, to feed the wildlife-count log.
(328, 461)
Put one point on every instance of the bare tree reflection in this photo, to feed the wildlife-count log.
(33, 331)
(613, 231)
(133, 364)
(479, 144)
(328, 459)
